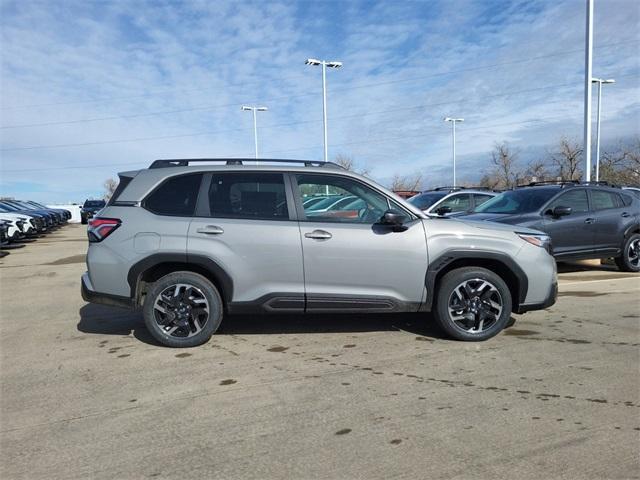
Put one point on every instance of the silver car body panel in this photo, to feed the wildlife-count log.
(264, 257)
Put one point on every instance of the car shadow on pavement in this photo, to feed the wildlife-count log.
(420, 324)
(104, 320)
(573, 267)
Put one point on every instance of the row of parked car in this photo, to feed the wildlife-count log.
(585, 220)
(26, 219)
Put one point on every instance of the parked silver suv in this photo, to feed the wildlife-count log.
(189, 240)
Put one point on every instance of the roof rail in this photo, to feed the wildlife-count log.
(185, 162)
(568, 183)
(438, 189)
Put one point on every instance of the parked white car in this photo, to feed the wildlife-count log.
(450, 201)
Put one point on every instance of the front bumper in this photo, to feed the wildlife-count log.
(91, 296)
(546, 303)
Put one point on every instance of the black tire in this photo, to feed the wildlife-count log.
(480, 310)
(83, 220)
(176, 331)
(629, 261)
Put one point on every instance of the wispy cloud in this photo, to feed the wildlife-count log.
(117, 84)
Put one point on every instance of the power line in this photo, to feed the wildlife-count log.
(106, 142)
(448, 72)
(423, 133)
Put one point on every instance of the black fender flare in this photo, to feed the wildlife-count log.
(219, 274)
(446, 258)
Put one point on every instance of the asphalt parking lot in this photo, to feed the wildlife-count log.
(85, 392)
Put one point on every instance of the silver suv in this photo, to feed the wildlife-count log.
(190, 240)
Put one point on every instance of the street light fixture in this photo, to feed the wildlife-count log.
(600, 82)
(324, 64)
(255, 123)
(453, 131)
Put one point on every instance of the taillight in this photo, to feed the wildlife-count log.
(100, 228)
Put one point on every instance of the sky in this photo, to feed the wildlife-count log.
(90, 88)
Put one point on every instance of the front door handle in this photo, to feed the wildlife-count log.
(211, 230)
(319, 235)
(590, 220)
(625, 214)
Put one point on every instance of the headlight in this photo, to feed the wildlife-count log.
(542, 241)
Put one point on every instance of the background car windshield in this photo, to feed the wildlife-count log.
(425, 200)
(94, 203)
(326, 203)
(517, 201)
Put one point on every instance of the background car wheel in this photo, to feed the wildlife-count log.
(84, 221)
(629, 261)
(472, 304)
(182, 309)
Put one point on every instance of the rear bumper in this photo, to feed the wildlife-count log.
(546, 303)
(91, 296)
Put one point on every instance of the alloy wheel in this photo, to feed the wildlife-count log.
(634, 253)
(181, 310)
(475, 305)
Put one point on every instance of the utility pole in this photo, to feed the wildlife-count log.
(324, 64)
(453, 142)
(255, 124)
(600, 82)
(587, 90)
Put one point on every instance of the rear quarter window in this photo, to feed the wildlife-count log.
(177, 196)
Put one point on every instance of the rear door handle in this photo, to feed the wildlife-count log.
(211, 230)
(590, 220)
(319, 235)
(625, 214)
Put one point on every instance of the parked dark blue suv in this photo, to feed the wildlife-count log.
(584, 220)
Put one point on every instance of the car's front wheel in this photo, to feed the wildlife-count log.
(629, 261)
(472, 304)
(182, 309)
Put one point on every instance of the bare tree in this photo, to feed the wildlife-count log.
(348, 163)
(489, 181)
(410, 183)
(504, 172)
(621, 165)
(110, 186)
(567, 159)
(537, 171)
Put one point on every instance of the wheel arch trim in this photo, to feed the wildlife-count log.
(440, 265)
(215, 271)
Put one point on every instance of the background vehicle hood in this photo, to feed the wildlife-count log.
(489, 225)
(495, 217)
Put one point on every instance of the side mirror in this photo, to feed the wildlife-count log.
(442, 211)
(394, 220)
(560, 211)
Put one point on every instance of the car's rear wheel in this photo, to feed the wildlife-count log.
(182, 309)
(472, 304)
(629, 261)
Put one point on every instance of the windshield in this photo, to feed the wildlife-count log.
(94, 203)
(425, 200)
(524, 200)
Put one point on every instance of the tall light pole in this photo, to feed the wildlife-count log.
(587, 90)
(600, 82)
(255, 123)
(325, 64)
(453, 142)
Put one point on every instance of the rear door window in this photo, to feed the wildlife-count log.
(176, 196)
(603, 200)
(457, 203)
(480, 199)
(250, 195)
